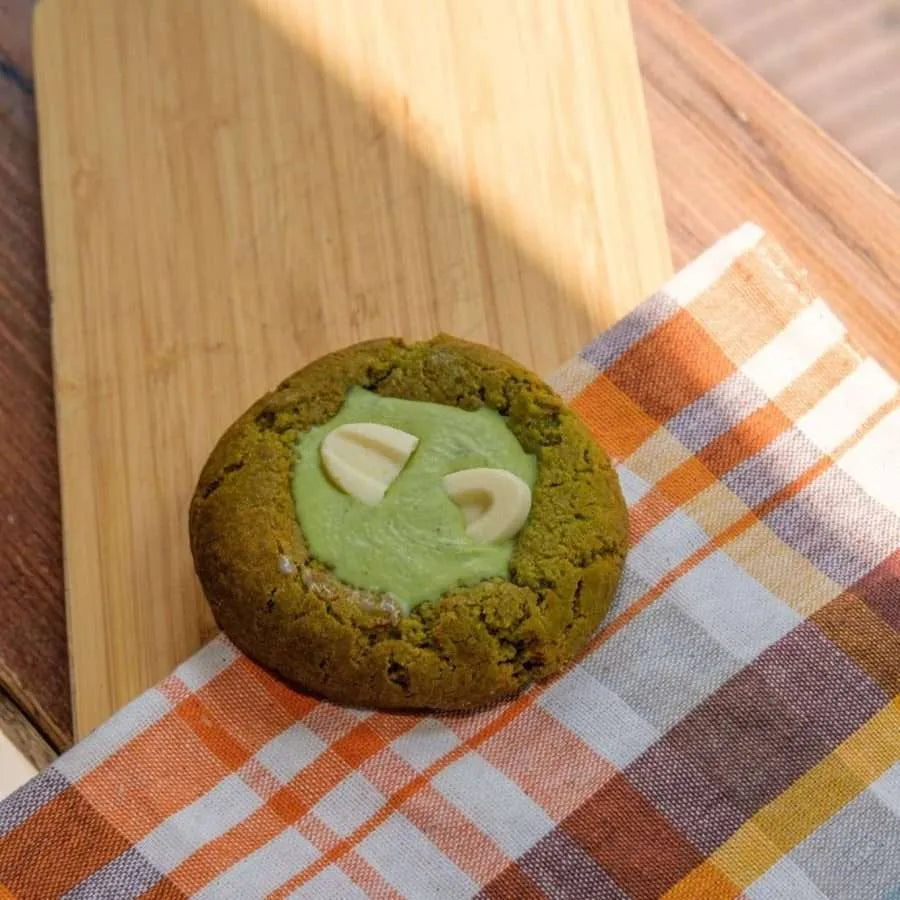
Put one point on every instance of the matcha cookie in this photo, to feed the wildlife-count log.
(413, 526)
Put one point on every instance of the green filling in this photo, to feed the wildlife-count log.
(413, 544)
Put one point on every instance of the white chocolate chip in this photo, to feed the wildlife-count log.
(286, 565)
(363, 459)
(494, 502)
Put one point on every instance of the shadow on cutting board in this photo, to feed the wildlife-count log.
(234, 188)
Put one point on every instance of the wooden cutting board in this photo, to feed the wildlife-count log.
(233, 187)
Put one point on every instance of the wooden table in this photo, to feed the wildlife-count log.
(728, 148)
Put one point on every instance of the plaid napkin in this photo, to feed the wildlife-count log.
(733, 729)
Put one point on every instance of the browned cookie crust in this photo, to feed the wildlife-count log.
(473, 645)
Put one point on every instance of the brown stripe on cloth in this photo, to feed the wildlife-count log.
(560, 867)
(627, 849)
(856, 623)
(881, 589)
(753, 737)
(512, 882)
(670, 368)
(632, 840)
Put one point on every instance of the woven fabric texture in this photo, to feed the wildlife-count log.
(732, 730)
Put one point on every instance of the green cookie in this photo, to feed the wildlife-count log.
(471, 635)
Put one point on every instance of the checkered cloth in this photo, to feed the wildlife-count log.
(732, 730)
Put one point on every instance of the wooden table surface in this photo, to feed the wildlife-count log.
(728, 149)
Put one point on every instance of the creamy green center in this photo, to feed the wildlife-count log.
(413, 544)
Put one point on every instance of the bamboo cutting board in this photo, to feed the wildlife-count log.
(233, 187)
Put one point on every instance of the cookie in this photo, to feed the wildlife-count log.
(389, 601)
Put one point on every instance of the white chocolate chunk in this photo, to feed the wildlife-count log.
(363, 458)
(494, 503)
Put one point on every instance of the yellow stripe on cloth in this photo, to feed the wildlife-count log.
(706, 881)
(795, 814)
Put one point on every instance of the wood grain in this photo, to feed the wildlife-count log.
(728, 148)
(233, 187)
(839, 62)
(33, 663)
(17, 728)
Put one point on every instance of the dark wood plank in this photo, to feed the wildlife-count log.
(16, 726)
(33, 659)
(731, 148)
(15, 38)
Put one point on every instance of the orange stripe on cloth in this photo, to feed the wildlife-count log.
(398, 798)
(647, 513)
(613, 418)
(295, 704)
(208, 729)
(60, 844)
(671, 367)
(747, 521)
(368, 878)
(707, 881)
(683, 483)
(220, 854)
(283, 809)
(529, 763)
(696, 474)
(273, 711)
(745, 440)
(358, 745)
(455, 834)
(162, 753)
(525, 701)
(290, 802)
